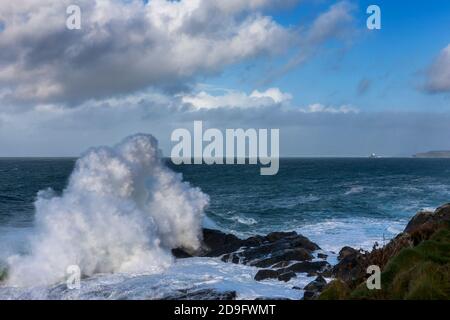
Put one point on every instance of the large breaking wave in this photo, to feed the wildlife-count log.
(122, 211)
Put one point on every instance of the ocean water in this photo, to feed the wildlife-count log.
(334, 202)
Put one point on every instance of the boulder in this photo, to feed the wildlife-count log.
(180, 253)
(428, 220)
(259, 251)
(266, 274)
(298, 254)
(277, 250)
(287, 276)
(418, 221)
(201, 294)
(275, 236)
(316, 285)
(351, 265)
(443, 213)
(217, 243)
(308, 267)
(281, 264)
(346, 251)
(322, 255)
(309, 295)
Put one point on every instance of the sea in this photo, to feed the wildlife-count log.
(335, 202)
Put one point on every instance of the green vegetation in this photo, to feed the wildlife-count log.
(420, 272)
(335, 290)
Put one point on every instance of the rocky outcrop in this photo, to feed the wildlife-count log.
(285, 253)
(217, 243)
(421, 218)
(351, 265)
(266, 251)
(266, 274)
(201, 294)
(314, 288)
(409, 263)
(289, 272)
(281, 255)
(425, 223)
(424, 219)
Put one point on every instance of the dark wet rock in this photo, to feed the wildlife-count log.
(218, 243)
(351, 265)
(316, 285)
(201, 294)
(308, 267)
(281, 264)
(267, 251)
(275, 236)
(231, 257)
(310, 295)
(180, 253)
(280, 251)
(314, 288)
(298, 254)
(300, 241)
(322, 255)
(346, 251)
(287, 276)
(266, 274)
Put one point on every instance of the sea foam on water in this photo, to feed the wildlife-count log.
(122, 211)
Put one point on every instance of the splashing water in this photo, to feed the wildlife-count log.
(122, 211)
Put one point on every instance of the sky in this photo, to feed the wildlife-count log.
(310, 68)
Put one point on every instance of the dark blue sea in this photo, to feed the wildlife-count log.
(334, 202)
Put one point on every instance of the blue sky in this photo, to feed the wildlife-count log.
(390, 59)
(308, 67)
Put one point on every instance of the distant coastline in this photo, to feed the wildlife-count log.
(433, 154)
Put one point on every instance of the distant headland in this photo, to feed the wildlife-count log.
(433, 154)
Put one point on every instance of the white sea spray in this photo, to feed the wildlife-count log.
(122, 211)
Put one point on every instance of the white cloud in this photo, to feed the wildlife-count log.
(317, 107)
(236, 99)
(272, 99)
(125, 46)
(438, 74)
(274, 93)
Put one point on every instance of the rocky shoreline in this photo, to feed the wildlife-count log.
(414, 265)
(283, 255)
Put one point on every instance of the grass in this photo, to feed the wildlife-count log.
(421, 272)
(415, 273)
(335, 290)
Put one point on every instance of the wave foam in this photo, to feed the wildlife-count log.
(122, 211)
(354, 190)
